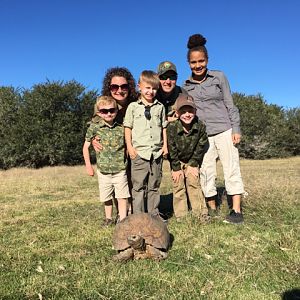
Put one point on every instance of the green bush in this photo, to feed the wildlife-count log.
(268, 130)
(45, 125)
(51, 123)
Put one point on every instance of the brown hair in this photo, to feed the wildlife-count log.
(196, 42)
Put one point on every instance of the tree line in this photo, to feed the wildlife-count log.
(46, 125)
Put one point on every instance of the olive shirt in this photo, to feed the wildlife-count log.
(188, 148)
(111, 159)
(146, 135)
(214, 103)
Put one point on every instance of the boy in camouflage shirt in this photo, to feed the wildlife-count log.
(111, 161)
(187, 141)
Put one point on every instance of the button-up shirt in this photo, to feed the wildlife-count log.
(111, 159)
(187, 147)
(146, 134)
(214, 103)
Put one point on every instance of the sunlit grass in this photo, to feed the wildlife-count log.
(52, 245)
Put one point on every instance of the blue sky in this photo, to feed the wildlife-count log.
(256, 43)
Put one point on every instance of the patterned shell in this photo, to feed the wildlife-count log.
(151, 228)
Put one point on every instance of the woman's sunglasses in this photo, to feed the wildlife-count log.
(106, 111)
(115, 87)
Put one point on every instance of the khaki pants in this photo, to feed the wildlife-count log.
(221, 146)
(188, 189)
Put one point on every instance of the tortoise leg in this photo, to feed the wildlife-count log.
(124, 256)
(155, 253)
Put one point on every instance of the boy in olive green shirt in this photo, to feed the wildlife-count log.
(111, 160)
(187, 143)
(146, 141)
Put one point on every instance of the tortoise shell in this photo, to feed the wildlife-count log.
(151, 228)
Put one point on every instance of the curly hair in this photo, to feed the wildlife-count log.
(121, 72)
(196, 42)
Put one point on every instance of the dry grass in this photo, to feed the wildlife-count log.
(52, 246)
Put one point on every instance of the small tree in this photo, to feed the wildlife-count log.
(264, 128)
(52, 117)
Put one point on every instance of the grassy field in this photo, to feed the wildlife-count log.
(52, 245)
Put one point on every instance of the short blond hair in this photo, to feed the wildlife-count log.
(104, 100)
(150, 77)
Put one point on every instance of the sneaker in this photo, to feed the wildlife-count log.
(234, 218)
(213, 213)
(107, 223)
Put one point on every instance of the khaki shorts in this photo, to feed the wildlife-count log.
(113, 185)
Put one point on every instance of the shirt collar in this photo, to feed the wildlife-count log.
(194, 127)
(139, 101)
(191, 80)
(102, 123)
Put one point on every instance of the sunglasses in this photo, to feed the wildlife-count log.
(147, 112)
(165, 77)
(115, 87)
(106, 111)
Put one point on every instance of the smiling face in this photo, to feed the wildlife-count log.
(168, 81)
(107, 112)
(147, 90)
(186, 114)
(119, 90)
(198, 63)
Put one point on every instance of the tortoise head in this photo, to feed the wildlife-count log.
(137, 242)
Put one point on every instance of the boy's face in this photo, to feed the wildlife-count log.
(107, 112)
(186, 114)
(148, 92)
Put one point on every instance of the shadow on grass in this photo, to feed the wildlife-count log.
(293, 294)
(166, 202)
(166, 206)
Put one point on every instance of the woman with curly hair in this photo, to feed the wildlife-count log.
(119, 83)
(212, 96)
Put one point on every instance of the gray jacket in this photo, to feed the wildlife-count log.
(214, 103)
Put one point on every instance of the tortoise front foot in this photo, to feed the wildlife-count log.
(155, 253)
(123, 256)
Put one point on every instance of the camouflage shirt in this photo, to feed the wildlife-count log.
(185, 147)
(111, 159)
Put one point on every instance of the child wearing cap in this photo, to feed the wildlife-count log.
(187, 143)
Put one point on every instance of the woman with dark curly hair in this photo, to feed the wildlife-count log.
(119, 83)
(212, 96)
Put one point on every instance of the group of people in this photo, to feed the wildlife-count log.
(193, 125)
